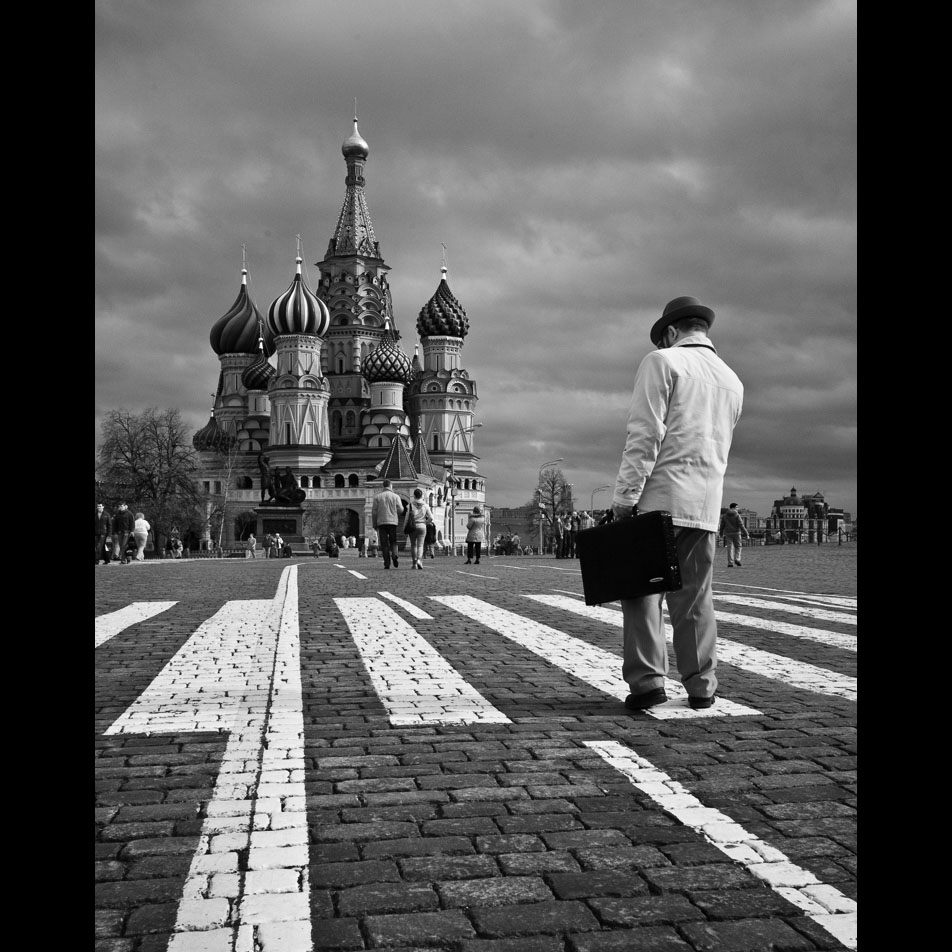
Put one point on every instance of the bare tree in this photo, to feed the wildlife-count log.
(552, 495)
(147, 460)
(324, 519)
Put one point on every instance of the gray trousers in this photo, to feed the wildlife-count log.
(692, 617)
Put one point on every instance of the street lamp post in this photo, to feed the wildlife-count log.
(551, 462)
(591, 509)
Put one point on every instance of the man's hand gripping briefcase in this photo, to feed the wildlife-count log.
(629, 558)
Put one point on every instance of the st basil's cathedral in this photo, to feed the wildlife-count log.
(319, 400)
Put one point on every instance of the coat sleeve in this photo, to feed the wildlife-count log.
(646, 428)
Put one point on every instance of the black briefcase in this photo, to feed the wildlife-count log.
(628, 558)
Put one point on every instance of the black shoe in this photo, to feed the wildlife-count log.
(477, 561)
(639, 702)
(701, 703)
(730, 565)
(396, 562)
(387, 567)
(737, 564)
(468, 562)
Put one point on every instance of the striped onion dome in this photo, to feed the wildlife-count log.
(237, 331)
(387, 362)
(211, 436)
(442, 315)
(299, 310)
(355, 144)
(258, 375)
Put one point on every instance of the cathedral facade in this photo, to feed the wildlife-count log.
(317, 402)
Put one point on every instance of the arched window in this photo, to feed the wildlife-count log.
(340, 363)
(336, 423)
(287, 432)
(351, 419)
(305, 483)
(436, 441)
(338, 481)
(316, 482)
(353, 480)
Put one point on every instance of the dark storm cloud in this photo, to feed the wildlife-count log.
(583, 163)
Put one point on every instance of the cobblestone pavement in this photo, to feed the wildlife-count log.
(315, 754)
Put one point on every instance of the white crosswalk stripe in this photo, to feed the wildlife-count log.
(820, 614)
(415, 683)
(597, 667)
(798, 674)
(825, 904)
(112, 623)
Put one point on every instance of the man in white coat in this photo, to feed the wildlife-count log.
(685, 405)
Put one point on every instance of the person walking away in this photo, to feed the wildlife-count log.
(475, 535)
(140, 529)
(252, 546)
(429, 540)
(372, 541)
(558, 530)
(103, 528)
(685, 404)
(572, 534)
(731, 527)
(122, 523)
(419, 517)
(387, 511)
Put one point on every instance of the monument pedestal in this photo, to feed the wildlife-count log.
(288, 521)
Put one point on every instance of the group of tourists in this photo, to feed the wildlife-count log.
(120, 538)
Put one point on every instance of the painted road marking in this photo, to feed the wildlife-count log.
(558, 568)
(846, 601)
(247, 885)
(477, 575)
(797, 674)
(821, 614)
(110, 624)
(824, 904)
(597, 667)
(830, 638)
(515, 568)
(408, 607)
(212, 678)
(356, 574)
(415, 683)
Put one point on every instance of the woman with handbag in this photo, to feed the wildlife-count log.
(475, 535)
(418, 516)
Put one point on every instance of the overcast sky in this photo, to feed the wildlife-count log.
(583, 163)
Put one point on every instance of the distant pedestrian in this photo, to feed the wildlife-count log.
(141, 530)
(475, 535)
(585, 521)
(387, 513)
(122, 523)
(418, 518)
(251, 547)
(103, 528)
(731, 527)
(429, 540)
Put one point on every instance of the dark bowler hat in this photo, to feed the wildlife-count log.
(675, 310)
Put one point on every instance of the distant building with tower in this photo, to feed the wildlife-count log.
(317, 402)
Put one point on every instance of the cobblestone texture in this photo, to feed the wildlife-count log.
(487, 837)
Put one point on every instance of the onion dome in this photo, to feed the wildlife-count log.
(212, 437)
(442, 315)
(299, 310)
(387, 362)
(258, 375)
(237, 331)
(355, 145)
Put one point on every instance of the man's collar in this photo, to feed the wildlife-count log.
(695, 340)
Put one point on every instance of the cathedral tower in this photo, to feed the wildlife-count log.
(354, 286)
(235, 338)
(442, 397)
(298, 392)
